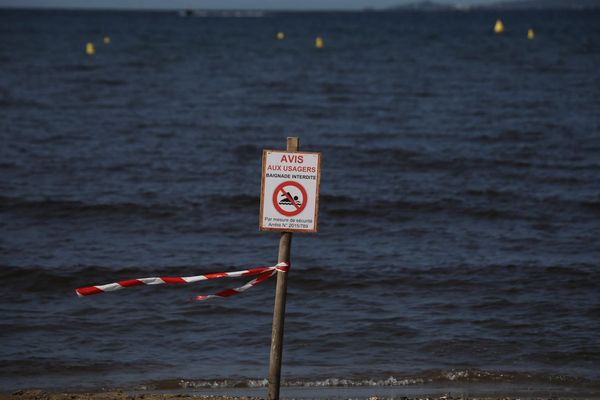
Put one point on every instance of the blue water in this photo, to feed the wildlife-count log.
(459, 224)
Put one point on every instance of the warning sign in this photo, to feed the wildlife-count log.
(290, 191)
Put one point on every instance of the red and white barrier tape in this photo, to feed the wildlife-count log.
(263, 273)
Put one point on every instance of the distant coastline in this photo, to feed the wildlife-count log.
(427, 5)
(414, 6)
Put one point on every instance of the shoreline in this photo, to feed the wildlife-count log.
(421, 392)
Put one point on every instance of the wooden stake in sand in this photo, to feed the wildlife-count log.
(285, 244)
(288, 203)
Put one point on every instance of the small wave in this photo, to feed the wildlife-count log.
(511, 135)
(22, 103)
(340, 99)
(235, 201)
(38, 365)
(261, 383)
(40, 280)
(336, 88)
(395, 209)
(591, 205)
(77, 67)
(281, 85)
(469, 375)
(246, 152)
(277, 106)
(100, 82)
(49, 208)
(336, 199)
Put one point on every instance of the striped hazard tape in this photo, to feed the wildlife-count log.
(263, 273)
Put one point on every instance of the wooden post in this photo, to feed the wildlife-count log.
(285, 244)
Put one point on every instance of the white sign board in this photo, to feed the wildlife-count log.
(289, 199)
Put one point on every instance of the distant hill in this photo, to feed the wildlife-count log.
(501, 5)
(544, 4)
(423, 6)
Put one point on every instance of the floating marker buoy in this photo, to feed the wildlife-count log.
(319, 43)
(89, 49)
(280, 35)
(530, 34)
(106, 39)
(499, 27)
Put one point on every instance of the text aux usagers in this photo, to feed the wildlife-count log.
(292, 168)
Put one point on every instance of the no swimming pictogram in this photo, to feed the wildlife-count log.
(290, 198)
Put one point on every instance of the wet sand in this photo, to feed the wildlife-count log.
(109, 395)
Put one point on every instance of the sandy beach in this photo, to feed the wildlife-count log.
(113, 395)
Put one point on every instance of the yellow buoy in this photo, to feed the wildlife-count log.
(499, 27)
(89, 49)
(280, 35)
(106, 39)
(319, 43)
(530, 34)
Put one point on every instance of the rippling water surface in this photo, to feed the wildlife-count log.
(459, 231)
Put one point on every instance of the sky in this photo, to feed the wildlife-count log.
(224, 4)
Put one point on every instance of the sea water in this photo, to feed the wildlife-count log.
(459, 217)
